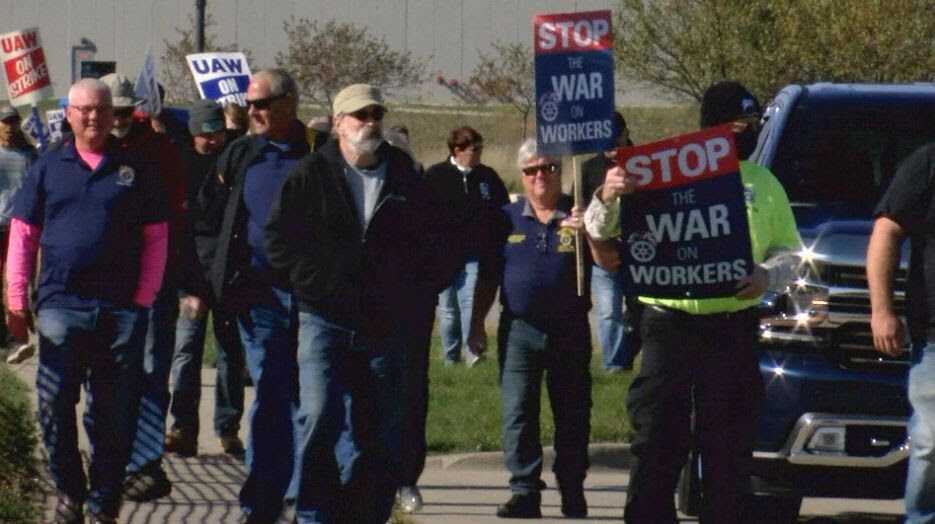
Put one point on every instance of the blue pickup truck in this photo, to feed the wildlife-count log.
(835, 412)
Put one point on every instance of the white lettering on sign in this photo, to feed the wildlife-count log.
(28, 80)
(577, 86)
(682, 227)
(572, 132)
(581, 33)
(689, 275)
(691, 160)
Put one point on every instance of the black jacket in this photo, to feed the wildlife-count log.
(221, 224)
(474, 200)
(364, 280)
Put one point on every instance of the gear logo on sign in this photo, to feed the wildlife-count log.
(642, 247)
(548, 106)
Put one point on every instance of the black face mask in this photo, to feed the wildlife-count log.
(746, 142)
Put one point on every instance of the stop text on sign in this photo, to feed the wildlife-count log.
(566, 32)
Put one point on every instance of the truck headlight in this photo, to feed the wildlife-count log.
(802, 305)
(828, 439)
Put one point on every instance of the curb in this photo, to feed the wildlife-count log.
(602, 456)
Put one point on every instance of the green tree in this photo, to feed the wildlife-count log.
(325, 60)
(682, 46)
(176, 76)
(506, 76)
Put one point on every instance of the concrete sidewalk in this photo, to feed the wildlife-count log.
(462, 488)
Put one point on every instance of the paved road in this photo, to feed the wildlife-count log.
(456, 488)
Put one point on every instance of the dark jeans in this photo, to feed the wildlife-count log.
(157, 360)
(186, 373)
(341, 371)
(707, 363)
(563, 356)
(102, 348)
(268, 331)
(414, 445)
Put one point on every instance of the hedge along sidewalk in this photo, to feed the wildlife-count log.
(19, 475)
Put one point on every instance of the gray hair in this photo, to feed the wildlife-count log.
(92, 85)
(280, 82)
(530, 150)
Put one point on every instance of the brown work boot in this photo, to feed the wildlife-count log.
(181, 441)
(231, 444)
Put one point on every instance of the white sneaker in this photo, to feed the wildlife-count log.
(472, 358)
(410, 500)
(21, 354)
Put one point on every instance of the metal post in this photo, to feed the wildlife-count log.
(200, 7)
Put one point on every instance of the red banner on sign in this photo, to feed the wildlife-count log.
(685, 159)
(573, 32)
(25, 68)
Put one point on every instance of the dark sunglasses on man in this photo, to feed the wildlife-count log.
(264, 103)
(363, 115)
(549, 168)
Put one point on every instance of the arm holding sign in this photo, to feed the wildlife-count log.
(602, 218)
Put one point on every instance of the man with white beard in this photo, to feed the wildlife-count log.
(234, 204)
(362, 240)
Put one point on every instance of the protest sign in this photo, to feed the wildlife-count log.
(574, 82)
(221, 76)
(55, 118)
(25, 68)
(32, 125)
(147, 87)
(685, 228)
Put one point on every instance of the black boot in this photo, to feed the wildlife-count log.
(521, 506)
(573, 503)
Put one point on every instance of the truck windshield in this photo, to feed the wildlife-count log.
(847, 150)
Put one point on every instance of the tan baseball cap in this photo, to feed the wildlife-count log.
(356, 97)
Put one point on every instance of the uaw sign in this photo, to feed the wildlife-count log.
(685, 228)
(221, 76)
(574, 82)
(55, 119)
(25, 68)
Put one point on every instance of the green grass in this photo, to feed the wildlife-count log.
(19, 486)
(464, 406)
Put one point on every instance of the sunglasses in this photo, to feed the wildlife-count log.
(363, 115)
(476, 148)
(549, 168)
(264, 103)
(123, 112)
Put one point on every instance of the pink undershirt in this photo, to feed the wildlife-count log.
(24, 247)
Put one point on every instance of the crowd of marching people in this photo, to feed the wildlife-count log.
(322, 253)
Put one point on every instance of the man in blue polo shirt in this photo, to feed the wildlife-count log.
(234, 205)
(543, 331)
(101, 222)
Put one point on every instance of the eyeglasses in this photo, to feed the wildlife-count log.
(549, 168)
(264, 103)
(363, 115)
(87, 110)
(123, 112)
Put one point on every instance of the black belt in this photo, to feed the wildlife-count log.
(727, 315)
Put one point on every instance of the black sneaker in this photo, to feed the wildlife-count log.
(147, 484)
(574, 504)
(521, 506)
(68, 510)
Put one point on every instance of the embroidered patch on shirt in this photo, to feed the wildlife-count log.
(566, 240)
(125, 176)
(516, 238)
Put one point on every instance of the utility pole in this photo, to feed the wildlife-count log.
(200, 6)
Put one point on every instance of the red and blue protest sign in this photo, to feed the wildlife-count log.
(222, 77)
(685, 229)
(574, 82)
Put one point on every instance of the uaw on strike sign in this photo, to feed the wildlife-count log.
(574, 83)
(685, 229)
(25, 68)
(222, 77)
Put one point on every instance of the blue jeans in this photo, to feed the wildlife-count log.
(920, 478)
(186, 373)
(525, 354)
(340, 371)
(455, 304)
(102, 348)
(157, 361)
(268, 332)
(607, 290)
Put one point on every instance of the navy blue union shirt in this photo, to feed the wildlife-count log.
(536, 268)
(92, 225)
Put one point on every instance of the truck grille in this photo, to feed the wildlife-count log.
(853, 276)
